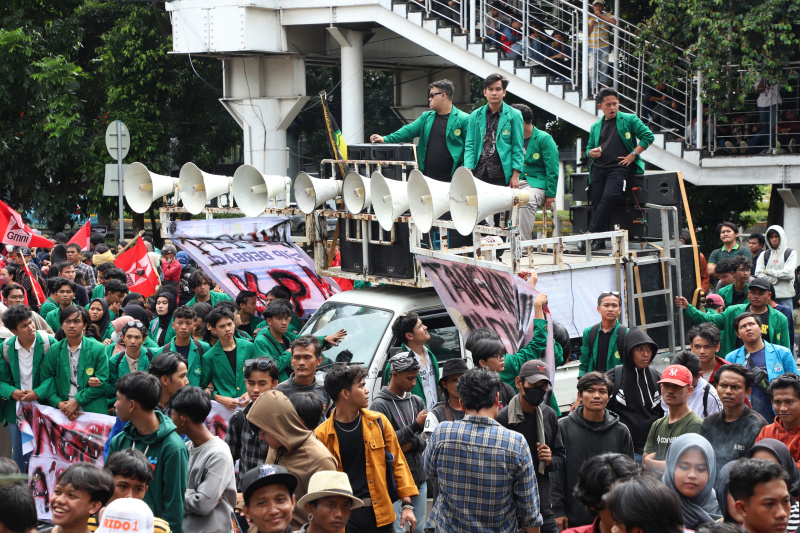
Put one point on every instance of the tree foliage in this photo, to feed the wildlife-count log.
(711, 205)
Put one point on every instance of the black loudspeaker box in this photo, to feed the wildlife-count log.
(580, 185)
(660, 188)
(352, 253)
(393, 260)
(383, 152)
(580, 215)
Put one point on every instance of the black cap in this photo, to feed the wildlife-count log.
(453, 366)
(760, 283)
(534, 371)
(264, 475)
(24, 250)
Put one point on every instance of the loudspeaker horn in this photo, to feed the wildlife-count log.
(198, 187)
(389, 199)
(142, 187)
(472, 200)
(310, 193)
(428, 198)
(253, 190)
(356, 192)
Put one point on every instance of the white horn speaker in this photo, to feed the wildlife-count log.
(310, 193)
(389, 199)
(428, 198)
(356, 192)
(198, 187)
(142, 187)
(253, 190)
(472, 200)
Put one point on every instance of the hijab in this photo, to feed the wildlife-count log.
(721, 490)
(137, 312)
(703, 507)
(781, 452)
(58, 254)
(102, 324)
(164, 320)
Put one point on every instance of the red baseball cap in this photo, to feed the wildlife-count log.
(677, 375)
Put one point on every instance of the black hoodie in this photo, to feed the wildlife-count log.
(402, 413)
(637, 396)
(582, 440)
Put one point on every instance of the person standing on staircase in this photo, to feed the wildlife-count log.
(441, 133)
(615, 145)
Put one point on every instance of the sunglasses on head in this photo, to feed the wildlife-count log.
(135, 324)
(262, 363)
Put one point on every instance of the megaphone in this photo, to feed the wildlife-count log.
(428, 198)
(142, 187)
(472, 200)
(389, 199)
(356, 192)
(198, 187)
(310, 193)
(253, 190)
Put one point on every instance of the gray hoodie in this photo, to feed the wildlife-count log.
(779, 268)
(211, 490)
(402, 413)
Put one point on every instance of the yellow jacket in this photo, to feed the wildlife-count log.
(374, 449)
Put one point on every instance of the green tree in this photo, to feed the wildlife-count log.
(711, 205)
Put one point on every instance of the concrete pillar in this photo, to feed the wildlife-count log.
(264, 95)
(352, 57)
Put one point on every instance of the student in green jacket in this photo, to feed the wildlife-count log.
(161, 329)
(736, 293)
(615, 145)
(279, 292)
(603, 354)
(21, 375)
(774, 326)
(441, 131)
(78, 366)
(115, 292)
(192, 350)
(223, 364)
(201, 284)
(153, 433)
(414, 334)
(135, 357)
(100, 289)
(64, 292)
(496, 156)
(100, 317)
(246, 308)
(540, 173)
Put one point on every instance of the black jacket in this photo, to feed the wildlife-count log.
(402, 413)
(637, 396)
(583, 441)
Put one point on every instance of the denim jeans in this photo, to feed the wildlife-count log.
(598, 66)
(766, 136)
(16, 449)
(420, 504)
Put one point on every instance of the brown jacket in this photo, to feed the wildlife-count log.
(301, 453)
(376, 461)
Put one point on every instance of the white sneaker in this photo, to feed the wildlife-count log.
(742, 147)
(729, 145)
(792, 144)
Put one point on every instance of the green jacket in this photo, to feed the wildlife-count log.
(92, 363)
(46, 307)
(726, 293)
(153, 333)
(533, 350)
(588, 361)
(267, 345)
(216, 368)
(541, 162)
(53, 319)
(778, 325)
(99, 291)
(9, 374)
(169, 458)
(195, 373)
(509, 139)
(417, 390)
(118, 367)
(455, 136)
(630, 128)
(256, 322)
(294, 326)
(215, 297)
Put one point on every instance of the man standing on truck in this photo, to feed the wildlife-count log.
(441, 133)
(410, 329)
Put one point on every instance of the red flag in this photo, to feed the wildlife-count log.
(16, 232)
(81, 238)
(135, 262)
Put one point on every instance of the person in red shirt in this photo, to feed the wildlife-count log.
(785, 393)
(169, 265)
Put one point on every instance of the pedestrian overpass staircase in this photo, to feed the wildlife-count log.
(197, 27)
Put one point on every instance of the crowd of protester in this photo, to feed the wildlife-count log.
(709, 443)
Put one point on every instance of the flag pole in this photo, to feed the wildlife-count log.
(131, 243)
(28, 271)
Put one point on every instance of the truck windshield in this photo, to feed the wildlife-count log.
(365, 327)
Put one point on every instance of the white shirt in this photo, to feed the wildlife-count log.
(74, 359)
(769, 96)
(695, 402)
(25, 365)
(427, 378)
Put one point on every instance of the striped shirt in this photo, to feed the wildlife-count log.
(600, 33)
(485, 475)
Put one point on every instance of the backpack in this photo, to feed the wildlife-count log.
(786, 253)
(620, 338)
(45, 347)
